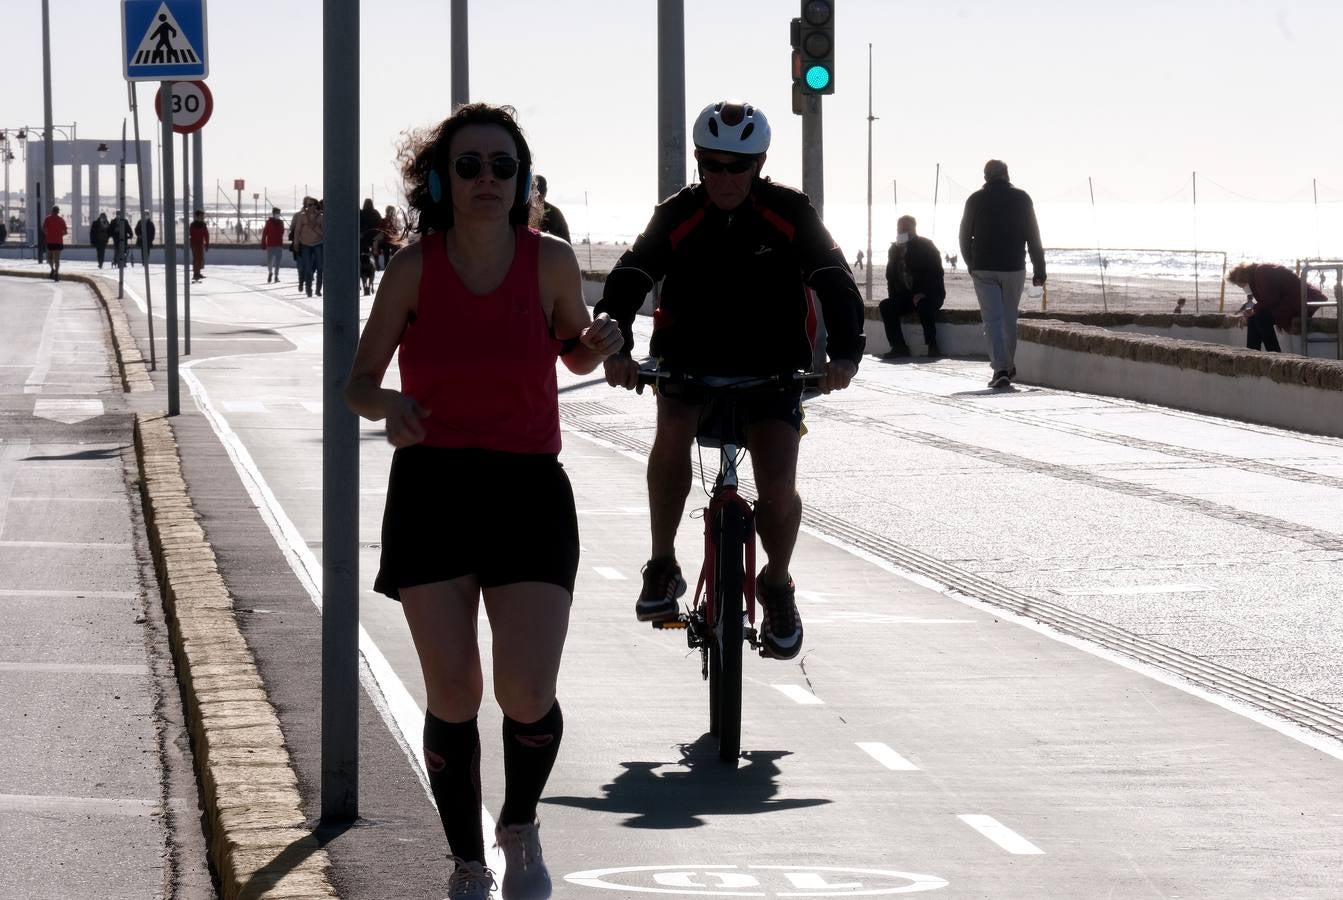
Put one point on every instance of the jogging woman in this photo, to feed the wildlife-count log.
(480, 307)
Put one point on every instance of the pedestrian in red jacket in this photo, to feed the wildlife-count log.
(272, 244)
(200, 242)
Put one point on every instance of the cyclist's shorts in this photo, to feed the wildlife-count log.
(503, 517)
(782, 406)
(55, 246)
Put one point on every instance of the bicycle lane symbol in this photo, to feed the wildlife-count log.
(757, 881)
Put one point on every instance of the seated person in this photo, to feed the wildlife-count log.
(914, 281)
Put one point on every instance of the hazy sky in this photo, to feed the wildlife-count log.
(1135, 94)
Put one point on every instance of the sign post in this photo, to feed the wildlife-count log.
(238, 185)
(165, 41)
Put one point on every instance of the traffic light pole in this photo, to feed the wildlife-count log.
(813, 153)
(671, 98)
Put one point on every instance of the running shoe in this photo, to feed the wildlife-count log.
(1000, 380)
(525, 874)
(470, 881)
(780, 624)
(663, 584)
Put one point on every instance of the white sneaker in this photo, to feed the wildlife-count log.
(470, 881)
(525, 873)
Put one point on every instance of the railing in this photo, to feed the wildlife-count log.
(1304, 268)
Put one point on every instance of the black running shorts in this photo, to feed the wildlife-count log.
(503, 517)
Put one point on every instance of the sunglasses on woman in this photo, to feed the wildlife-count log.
(736, 167)
(469, 165)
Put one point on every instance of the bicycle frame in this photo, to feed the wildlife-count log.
(722, 612)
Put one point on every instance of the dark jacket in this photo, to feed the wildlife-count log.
(1278, 290)
(121, 230)
(916, 268)
(100, 232)
(552, 222)
(998, 225)
(144, 232)
(736, 295)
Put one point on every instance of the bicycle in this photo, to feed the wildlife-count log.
(722, 613)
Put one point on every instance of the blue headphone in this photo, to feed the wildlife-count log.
(436, 182)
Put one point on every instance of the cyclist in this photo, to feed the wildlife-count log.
(480, 308)
(739, 258)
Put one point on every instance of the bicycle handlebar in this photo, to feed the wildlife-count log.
(795, 381)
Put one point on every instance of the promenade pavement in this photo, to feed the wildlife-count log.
(1058, 645)
(97, 796)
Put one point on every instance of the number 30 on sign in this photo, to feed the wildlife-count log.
(192, 105)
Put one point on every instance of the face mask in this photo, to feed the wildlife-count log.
(902, 238)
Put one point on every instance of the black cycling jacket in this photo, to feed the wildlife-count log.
(737, 286)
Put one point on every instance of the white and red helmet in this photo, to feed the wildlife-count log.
(732, 127)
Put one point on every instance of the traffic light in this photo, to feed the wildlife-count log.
(814, 61)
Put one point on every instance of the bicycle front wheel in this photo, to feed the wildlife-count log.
(725, 646)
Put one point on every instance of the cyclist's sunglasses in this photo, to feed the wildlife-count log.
(736, 167)
(468, 166)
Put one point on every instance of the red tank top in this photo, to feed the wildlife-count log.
(484, 366)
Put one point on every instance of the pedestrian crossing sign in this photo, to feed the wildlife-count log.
(164, 40)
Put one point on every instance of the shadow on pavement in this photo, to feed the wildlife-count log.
(700, 785)
(104, 453)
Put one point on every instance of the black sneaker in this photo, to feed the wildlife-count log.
(663, 584)
(1000, 380)
(899, 351)
(780, 625)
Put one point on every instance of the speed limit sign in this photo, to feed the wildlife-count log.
(192, 105)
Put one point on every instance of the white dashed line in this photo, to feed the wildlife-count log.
(608, 573)
(887, 757)
(798, 694)
(1001, 835)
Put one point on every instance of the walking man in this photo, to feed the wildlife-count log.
(309, 230)
(914, 284)
(272, 244)
(552, 220)
(996, 230)
(200, 242)
(54, 231)
(121, 238)
(144, 236)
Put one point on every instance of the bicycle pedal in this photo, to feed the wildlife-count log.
(672, 623)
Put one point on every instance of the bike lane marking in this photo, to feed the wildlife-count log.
(887, 757)
(757, 881)
(609, 573)
(798, 694)
(1001, 835)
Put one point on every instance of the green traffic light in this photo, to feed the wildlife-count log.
(818, 78)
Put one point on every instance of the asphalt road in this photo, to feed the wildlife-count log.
(1033, 623)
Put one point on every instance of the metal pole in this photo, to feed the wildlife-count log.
(145, 204)
(340, 427)
(121, 204)
(671, 97)
(1100, 261)
(870, 120)
(937, 184)
(187, 218)
(1195, 184)
(461, 59)
(48, 165)
(169, 245)
(813, 156)
(197, 173)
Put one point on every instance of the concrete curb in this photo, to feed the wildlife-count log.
(260, 844)
(1234, 362)
(130, 362)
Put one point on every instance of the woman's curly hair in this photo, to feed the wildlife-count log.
(425, 150)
